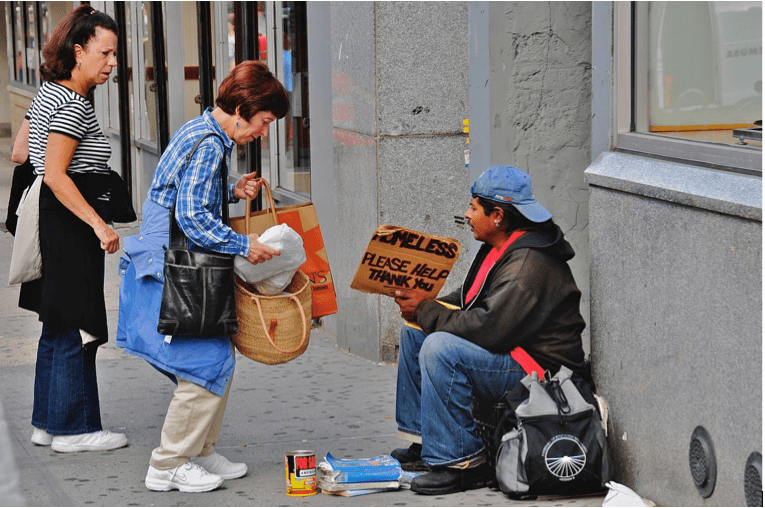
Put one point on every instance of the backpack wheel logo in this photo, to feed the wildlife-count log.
(565, 456)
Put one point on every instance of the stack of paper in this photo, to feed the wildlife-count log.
(355, 477)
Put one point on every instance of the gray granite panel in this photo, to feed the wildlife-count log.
(423, 185)
(356, 213)
(676, 298)
(353, 66)
(422, 59)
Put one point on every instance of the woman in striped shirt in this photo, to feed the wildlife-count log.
(70, 153)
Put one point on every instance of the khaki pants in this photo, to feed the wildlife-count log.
(191, 426)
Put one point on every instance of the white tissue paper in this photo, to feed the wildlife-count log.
(272, 276)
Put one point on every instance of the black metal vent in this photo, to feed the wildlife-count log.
(703, 463)
(753, 480)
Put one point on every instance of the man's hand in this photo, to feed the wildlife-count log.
(407, 302)
(247, 187)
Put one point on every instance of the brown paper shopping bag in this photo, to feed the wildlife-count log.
(302, 218)
(401, 258)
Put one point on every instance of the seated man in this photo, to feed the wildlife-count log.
(518, 307)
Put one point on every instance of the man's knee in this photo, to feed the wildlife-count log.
(440, 348)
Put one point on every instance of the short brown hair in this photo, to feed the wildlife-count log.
(253, 88)
(77, 27)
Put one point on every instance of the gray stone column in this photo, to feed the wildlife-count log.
(400, 95)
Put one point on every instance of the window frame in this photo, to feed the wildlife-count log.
(278, 148)
(630, 59)
(24, 84)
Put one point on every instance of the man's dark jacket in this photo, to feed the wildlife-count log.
(529, 299)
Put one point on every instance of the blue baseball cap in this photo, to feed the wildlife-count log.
(506, 184)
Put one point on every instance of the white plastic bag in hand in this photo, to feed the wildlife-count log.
(273, 272)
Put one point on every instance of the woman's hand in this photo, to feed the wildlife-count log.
(110, 240)
(58, 156)
(247, 187)
(407, 302)
(259, 252)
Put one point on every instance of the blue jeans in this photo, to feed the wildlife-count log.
(66, 389)
(438, 377)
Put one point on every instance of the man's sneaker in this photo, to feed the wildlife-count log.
(446, 480)
(94, 441)
(41, 438)
(220, 465)
(188, 477)
(410, 458)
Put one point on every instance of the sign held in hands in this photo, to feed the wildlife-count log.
(400, 258)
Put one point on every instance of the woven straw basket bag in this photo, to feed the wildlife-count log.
(273, 329)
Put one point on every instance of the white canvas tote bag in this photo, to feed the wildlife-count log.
(26, 261)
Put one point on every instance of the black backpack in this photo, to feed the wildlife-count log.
(556, 443)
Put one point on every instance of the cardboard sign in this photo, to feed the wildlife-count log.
(301, 218)
(400, 258)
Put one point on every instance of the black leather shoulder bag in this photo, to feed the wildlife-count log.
(198, 293)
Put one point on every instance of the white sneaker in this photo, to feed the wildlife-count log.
(220, 465)
(40, 437)
(94, 441)
(188, 477)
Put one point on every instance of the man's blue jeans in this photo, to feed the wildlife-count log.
(438, 377)
(66, 389)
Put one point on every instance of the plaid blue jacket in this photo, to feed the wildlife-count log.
(198, 186)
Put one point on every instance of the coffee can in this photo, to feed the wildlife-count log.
(300, 469)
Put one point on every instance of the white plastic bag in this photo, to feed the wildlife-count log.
(275, 284)
(272, 276)
(621, 495)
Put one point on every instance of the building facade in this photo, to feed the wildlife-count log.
(635, 121)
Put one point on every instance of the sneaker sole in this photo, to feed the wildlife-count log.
(479, 484)
(231, 476)
(436, 492)
(86, 448)
(162, 486)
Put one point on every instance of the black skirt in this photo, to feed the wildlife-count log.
(70, 293)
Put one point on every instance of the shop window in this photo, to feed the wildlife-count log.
(147, 128)
(31, 24)
(282, 43)
(689, 82)
(25, 42)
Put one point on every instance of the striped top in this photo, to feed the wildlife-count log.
(58, 109)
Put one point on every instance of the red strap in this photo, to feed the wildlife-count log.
(527, 362)
(488, 262)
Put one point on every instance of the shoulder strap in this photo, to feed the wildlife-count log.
(526, 362)
(177, 237)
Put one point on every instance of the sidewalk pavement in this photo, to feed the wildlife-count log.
(326, 401)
